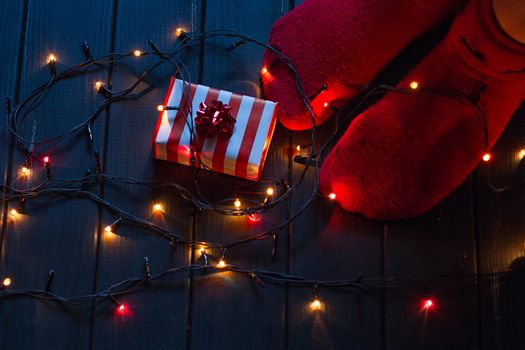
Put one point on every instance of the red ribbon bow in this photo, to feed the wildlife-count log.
(213, 119)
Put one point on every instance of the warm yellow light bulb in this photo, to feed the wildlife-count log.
(108, 229)
(99, 84)
(179, 31)
(237, 204)
(51, 59)
(137, 53)
(25, 171)
(486, 157)
(315, 305)
(264, 71)
(160, 108)
(298, 147)
(269, 191)
(221, 263)
(13, 212)
(6, 282)
(414, 85)
(157, 207)
(522, 153)
(202, 250)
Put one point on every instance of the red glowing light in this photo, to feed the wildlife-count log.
(428, 303)
(253, 218)
(325, 104)
(122, 309)
(332, 196)
(46, 159)
(264, 71)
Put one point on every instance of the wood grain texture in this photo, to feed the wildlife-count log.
(12, 22)
(223, 303)
(158, 316)
(329, 243)
(55, 233)
(439, 242)
(501, 224)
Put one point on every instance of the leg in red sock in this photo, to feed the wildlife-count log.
(341, 43)
(410, 150)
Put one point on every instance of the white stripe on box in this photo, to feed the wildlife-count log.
(200, 96)
(168, 117)
(245, 109)
(260, 140)
(208, 148)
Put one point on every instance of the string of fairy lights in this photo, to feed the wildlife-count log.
(275, 193)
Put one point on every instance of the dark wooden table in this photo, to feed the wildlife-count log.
(472, 231)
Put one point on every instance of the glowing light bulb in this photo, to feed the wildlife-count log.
(160, 108)
(315, 305)
(179, 31)
(269, 191)
(202, 250)
(13, 213)
(46, 159)
(264, 71)
(428, 303)
(326, 104)
(99, 84)
(253, 217)
(221, 263)
(137, 53)
(122, 309)
(6, 282)
(25, 171)
(298, 147)
(51, 59)
(486, 157)
(237, 204)
(332, 196)
(108, 229)
(157, 208)
(414, 85)
(522, 153)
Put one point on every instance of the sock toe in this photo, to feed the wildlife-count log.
(406, 153)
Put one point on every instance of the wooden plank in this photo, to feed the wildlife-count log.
(328, 243)
(158, 316)
(439, 242)
(222, 303)
(11, 18)
(501, 225)
(55, 233)
(12, 23)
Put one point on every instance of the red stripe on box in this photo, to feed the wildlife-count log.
(266, 144)
(223, 141)
(159, 120)
(180, 122)
(241, 164)
(213, 94)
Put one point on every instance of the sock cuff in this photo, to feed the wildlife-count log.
(484, 45)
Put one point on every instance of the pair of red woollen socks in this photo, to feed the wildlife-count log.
(415, 146)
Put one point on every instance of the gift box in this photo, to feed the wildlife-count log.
(228, 133)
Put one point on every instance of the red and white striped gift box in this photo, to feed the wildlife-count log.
(241, 155)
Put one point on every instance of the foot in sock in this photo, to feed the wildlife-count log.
(341, 43)
(410, 150)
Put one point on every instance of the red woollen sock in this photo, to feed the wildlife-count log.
(338, 42)
(410, 150)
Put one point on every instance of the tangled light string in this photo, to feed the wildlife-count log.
(54, 186)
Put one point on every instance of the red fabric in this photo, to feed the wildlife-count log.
(409, 151)
(337, 42)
